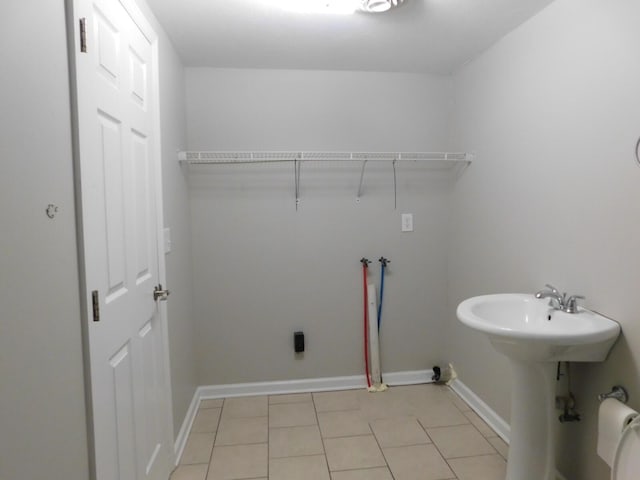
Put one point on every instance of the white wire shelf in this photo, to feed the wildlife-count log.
(456, 161)
(226, 158)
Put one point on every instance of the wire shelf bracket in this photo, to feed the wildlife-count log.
(364, 164)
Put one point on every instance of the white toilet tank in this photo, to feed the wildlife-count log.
(626, 464)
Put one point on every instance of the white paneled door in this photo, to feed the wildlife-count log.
(116, 100)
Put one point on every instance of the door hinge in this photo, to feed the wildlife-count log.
(83, 35)
(95, 300)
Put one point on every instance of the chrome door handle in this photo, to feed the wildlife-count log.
(160, 294)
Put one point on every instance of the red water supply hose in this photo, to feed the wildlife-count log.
(366, 323)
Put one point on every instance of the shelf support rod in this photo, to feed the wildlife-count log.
(364, 164)
(297, 166)
(395, 188)
(460, 167)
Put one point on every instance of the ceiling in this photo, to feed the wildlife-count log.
(421, 36)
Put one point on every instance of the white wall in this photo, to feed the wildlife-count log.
(176, 217)
(263, 270)
(553, 113)
(295, 109)
(42, 413)
(42, 409)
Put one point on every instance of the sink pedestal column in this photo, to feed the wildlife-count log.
(533, 416)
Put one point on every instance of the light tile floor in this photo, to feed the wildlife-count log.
(418, 432)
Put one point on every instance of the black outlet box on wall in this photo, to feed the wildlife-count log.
(298, 342)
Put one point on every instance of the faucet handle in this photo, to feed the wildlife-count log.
(553, 289)
(571, 305)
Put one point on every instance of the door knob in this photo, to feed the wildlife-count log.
(160, 294)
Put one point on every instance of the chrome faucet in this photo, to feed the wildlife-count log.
(556, 298)
(559, 301)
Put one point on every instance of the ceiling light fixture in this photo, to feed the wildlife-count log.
(379, 6)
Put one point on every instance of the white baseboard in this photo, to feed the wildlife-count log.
(285, 387)
(495, 421)
(310, 385)
(412, 377)
(185, 428)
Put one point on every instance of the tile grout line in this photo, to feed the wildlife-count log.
(373, 432)
(446, 460)
(495, 451)
(215, 436)
(455, 477)
(324, 449)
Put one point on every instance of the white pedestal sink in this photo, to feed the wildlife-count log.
(534, 337)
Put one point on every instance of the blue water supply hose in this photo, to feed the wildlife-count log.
(383, 264)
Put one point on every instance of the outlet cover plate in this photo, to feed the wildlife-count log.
(407, 222)
(167, 240)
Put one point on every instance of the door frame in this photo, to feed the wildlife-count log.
(73, 48)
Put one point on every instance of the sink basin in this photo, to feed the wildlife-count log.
(526, 328)
(534, 336)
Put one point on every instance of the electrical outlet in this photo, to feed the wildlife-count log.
(407, 222)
